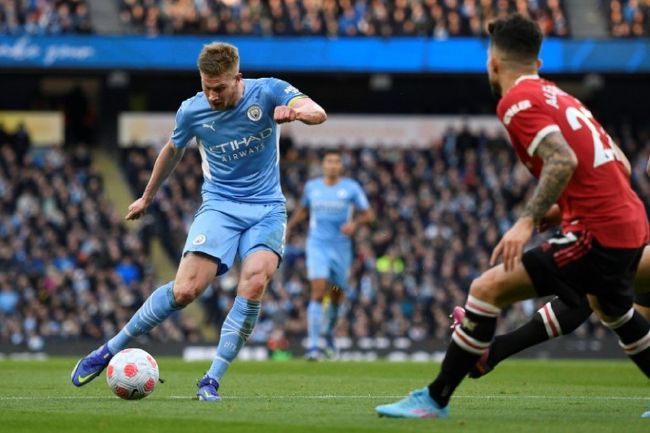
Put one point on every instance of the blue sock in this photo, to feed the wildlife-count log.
(158, 306)
(332, 316)
(234, 332)
(314, 318)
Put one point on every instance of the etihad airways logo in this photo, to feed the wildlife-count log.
(241, 143)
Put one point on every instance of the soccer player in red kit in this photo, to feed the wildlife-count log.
(604, 223)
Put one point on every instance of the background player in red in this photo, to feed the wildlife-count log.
(603, 221)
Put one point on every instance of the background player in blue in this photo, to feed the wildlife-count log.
(330, 201)
(235, 123)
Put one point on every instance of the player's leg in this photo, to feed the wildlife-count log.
(642, 285)
(261, 246)
(554, 319)
(558, 319)
(194, 274)
(539, 329)
(488, 294)
(318, 272)
(341, 263)
(257, 270)
(209, 249)
(632, 328)
(336, 295)
(613, 301)
(315, 317)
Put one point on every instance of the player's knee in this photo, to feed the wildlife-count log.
(487, 289)
(187, 291)
(253, 283)
(318, 291)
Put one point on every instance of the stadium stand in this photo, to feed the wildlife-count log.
(629, 18)
(69, 269)
(44, 17)
(429, 18)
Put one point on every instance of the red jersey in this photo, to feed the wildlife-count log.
(598, 198)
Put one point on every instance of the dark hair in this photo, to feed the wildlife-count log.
(517, 36)
(332, 151)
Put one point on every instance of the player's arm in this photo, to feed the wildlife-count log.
(165, 163)
(303, 109)
(620, 156)
(298, 215)
(366, 216)
(559, 164)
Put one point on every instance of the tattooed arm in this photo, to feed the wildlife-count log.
(559, 164)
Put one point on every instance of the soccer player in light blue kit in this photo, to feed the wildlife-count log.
(235, 124)
(330, 201)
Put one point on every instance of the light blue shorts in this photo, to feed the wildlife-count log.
(222, 228)
(330, 261)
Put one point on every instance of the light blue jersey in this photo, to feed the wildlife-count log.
(243, 208)
(331, 206)
(329, 252)
(238, 146)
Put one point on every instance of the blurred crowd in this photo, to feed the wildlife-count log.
(428, 18)
(44, 17)
(629, 18)
(441, 211)
(69, 269)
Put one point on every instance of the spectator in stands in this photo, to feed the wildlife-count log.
(45, 17)
(68, 268)
(428, 18)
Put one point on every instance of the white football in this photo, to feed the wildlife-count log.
(132, 374)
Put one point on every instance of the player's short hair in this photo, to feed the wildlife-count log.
(332, 151)
(517, 36)
(218, 58)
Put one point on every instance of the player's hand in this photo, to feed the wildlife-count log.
(511, 245)
(348, 229)
(284, 114)
(136, 209)
(552, 218)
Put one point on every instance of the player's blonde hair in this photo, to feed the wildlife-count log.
(218, 58)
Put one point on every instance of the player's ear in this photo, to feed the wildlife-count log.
(493, 64)
(238, 76)
(539, 63)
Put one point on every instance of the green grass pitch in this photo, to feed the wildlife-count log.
(296, 396)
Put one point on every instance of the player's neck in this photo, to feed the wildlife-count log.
(242, 87)
(331, 180)
(509, 80)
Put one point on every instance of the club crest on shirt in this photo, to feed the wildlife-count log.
(342, 193)
(199, 239)
(254, 113)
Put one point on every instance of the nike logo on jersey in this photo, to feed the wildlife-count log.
(209, 126)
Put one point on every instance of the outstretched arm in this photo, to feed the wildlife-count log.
(167, 160)
(303, 109)
(559, 164)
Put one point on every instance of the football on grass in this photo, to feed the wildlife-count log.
(132, 374)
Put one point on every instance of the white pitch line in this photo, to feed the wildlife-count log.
(344, 397)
